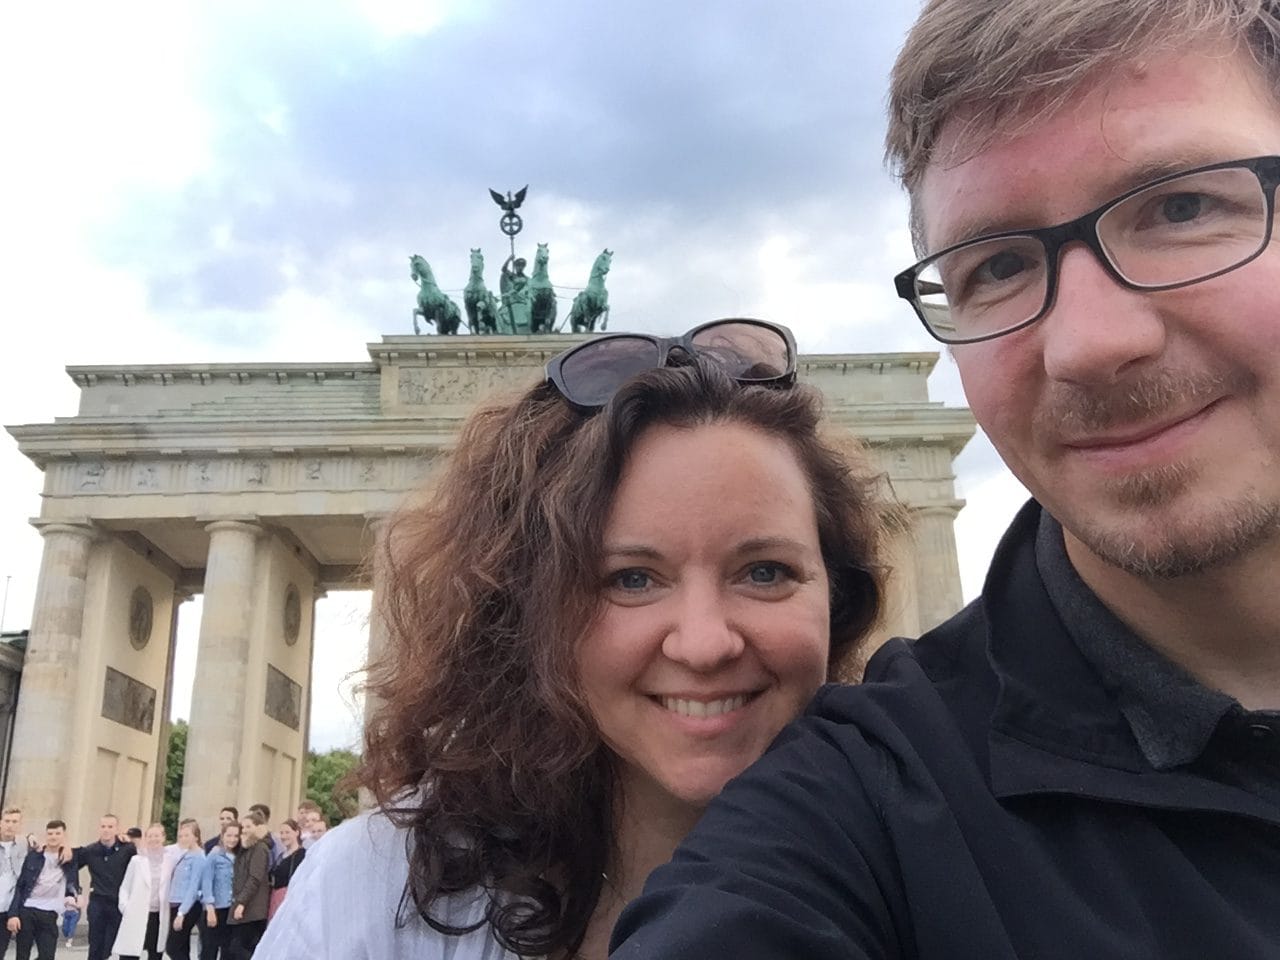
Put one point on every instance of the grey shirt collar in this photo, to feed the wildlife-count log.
(1172, 715)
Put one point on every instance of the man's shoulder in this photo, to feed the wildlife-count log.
(913, 690)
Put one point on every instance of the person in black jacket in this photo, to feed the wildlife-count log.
(1086, 761)
(107, 859)
(45, 887)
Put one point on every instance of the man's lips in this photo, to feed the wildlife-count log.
(1136, 435)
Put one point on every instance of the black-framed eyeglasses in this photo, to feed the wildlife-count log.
(750, 351)
(1172, 232)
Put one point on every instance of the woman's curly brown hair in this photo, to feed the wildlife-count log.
(482, 746)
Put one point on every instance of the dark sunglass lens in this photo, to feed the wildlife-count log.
(747, 351)
(594, 372)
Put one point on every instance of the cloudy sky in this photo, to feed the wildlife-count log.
(206, 182)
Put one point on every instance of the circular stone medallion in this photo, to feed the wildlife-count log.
(292, 615)
(141, 610)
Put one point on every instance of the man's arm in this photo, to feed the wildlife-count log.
(790, 861)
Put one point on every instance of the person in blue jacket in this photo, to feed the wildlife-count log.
(184, 891)
(215, 894)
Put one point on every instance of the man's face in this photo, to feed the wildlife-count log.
(1147, 423)
(10, 825)
(108, 830)
(54, 837)
(225, 818)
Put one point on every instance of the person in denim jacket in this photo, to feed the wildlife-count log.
(184, 891)
(215, 894)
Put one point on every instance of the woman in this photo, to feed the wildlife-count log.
(291, 839)
(142, 892)
(250, 887)
(627, 581)
(215, 894)
(184, 890)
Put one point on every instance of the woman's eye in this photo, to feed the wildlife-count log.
(630, 580)
(769, 573)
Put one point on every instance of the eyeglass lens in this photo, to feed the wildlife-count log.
(747, 351)
(1174, 232)
(592, 374)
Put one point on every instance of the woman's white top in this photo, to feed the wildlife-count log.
(343, 901)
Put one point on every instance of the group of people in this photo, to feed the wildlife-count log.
(146, 896)
(603, 721)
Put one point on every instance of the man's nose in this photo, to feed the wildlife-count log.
(1097, 328)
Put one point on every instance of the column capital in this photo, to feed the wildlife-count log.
(78, 528)
(249, 525)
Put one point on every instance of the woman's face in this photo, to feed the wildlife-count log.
(231, 836)
(248, 831)
(186, 838)
(288, 835)
(154, 837)
(714, 627)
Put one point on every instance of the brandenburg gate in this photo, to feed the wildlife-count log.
(263, 485)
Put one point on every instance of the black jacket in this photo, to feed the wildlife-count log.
(106, 864)
(31, 868)
(981, 796)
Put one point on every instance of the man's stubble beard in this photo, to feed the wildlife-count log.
(1207, 534)
(1205, 537)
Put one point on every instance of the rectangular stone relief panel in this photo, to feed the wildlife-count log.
(284, 699)
(128, 701)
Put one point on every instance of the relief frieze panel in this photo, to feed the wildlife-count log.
(427, 386)
(284, 474)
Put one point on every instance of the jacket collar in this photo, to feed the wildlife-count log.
(1054, 728)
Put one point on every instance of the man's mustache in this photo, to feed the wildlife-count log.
(1075, 412)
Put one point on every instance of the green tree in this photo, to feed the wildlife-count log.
(325, 772)
(176, 758)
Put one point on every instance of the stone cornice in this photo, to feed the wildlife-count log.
(81, 438)
(165, 374)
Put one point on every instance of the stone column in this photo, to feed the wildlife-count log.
(378, 634)
(215, 740)
(43, 728)
(937, 570)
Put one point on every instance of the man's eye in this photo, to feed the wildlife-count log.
(1181, 207)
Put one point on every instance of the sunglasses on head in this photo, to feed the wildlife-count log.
(750, 351)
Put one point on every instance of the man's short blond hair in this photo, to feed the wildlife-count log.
(1001, 64)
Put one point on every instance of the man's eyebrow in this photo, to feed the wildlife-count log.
(984, 224)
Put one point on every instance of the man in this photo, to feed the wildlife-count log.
(13, 851)
(46, 886)
(1086, 761)
(308, 814)
(107, 859)
(226, 816)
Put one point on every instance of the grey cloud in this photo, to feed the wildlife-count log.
(712, 123)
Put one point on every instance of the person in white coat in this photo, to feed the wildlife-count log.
(143, 894)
